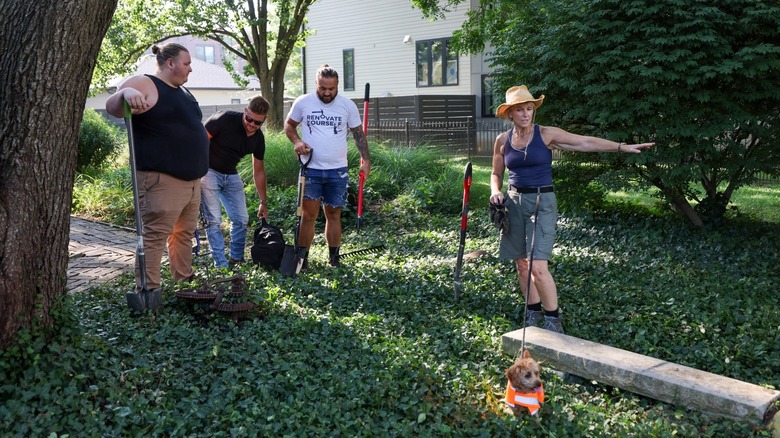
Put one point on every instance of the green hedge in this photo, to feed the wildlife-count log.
(99, 142)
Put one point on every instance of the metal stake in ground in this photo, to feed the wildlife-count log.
(143, 299)
(464, 218)
(530, 266)
(362, 175)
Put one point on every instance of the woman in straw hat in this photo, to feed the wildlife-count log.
(526, 150)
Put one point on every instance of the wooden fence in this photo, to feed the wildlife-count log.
(419, 108)
(464, 136)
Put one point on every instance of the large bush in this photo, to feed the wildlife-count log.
(99, 142)
(698, 78)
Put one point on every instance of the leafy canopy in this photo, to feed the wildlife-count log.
(700, 78)
(261, 33)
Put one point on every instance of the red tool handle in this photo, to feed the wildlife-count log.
(361, 183)
(466, 190)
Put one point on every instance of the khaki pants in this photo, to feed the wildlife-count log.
(169, 210)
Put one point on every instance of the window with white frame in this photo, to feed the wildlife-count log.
(436, 65)
(487, 97)
(349, 69)
(205, 53)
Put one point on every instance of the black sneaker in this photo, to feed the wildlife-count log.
(553, 324)
(335, 261)
(533, 318)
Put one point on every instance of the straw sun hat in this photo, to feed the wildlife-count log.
(515, 96)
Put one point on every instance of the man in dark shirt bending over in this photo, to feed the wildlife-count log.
(233, 135)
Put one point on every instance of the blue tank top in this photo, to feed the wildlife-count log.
(534, 170)
(170, 137)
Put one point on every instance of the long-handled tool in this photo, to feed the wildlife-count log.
(294, 255)
(464, 218)
(143, 299)
(530, 267)
(362, 175)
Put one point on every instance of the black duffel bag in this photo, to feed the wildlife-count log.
(268, 245)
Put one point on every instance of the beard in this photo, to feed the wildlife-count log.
(327, 99)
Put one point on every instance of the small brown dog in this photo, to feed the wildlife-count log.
(524, 385)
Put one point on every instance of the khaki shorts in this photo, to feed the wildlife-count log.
(520, 210)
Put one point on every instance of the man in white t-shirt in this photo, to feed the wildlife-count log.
(325, 117)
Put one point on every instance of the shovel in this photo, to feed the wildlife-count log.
(294, 255)
(143, 299)
(463, 221)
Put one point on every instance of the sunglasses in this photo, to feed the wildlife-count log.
(253, 121)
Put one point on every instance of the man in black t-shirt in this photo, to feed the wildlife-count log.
(233, 135)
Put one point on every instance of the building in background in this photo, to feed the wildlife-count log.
(395, 49)
(209, 82)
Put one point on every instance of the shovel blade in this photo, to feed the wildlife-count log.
(135, 301)
(153, 298)
(292, 260)
(458, 288)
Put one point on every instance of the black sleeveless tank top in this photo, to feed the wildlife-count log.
(170, 137)
(531, 167)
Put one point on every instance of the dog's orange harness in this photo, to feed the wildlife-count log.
(531, 400)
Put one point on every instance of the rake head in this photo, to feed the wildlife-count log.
(364, 251)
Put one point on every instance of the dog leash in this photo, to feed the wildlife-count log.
(530, 267)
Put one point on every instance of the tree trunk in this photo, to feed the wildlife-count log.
(49, 50)
(275, 120)
(682, 206)
(275, 95)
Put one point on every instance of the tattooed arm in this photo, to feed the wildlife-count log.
(362, 146)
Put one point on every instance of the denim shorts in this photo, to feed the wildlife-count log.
(328, 186)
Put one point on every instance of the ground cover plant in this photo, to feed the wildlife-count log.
(380, 347)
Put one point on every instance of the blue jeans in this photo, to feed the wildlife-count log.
(228, 190)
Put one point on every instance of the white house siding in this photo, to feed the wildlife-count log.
(375, 29)
(211, 84)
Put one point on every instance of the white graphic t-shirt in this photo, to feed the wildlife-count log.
(324, 127)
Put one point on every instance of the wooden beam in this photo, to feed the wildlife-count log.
(655, 378)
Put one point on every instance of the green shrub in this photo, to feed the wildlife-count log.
(577, 186)
(432, 180)
(107, 196)
(281, 165)
(99, 142)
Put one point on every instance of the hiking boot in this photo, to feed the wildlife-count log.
(233, 262)
(553, 324)
(533, 318)
(335, 261)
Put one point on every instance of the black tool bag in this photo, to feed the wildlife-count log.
(268, 246)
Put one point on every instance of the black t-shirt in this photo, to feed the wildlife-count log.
(229, 142)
